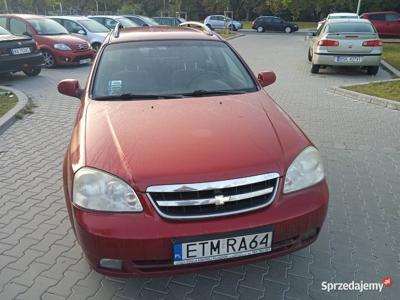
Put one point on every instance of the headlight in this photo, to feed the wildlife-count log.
(306, 170)
(62, 47)
(97, 190)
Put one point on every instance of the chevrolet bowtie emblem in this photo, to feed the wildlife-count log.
(220, 200)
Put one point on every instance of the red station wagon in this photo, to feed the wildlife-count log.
(179, 161)
(57, 45)
(387, 23)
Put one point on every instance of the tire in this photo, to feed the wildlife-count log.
(372, 70)
(314, 69)
(49, 60)
(288, 29)
(209, 26)
(96, 46)
(35, 71)
(260, 29)
(309, 56)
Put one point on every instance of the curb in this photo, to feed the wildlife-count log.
(388, 67)
(9, 118)
(235, 37)
(390, 104)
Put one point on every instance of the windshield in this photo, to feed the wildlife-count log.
(344, 17)
(93, 26)
(350, 27)
(3, 31)
(149, 21)
(126, 22)
(178, 67)
(47, 27)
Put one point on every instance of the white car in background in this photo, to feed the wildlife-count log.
(91, 31)
(334, 16)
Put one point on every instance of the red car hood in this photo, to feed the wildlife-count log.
(182, 141)
(67, 39)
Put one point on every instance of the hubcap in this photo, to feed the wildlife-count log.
(287, 29)
(259, 29)
(48, 59)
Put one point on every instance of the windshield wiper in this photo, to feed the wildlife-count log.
(131, 96)
(201, 93)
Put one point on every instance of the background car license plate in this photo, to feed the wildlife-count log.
(18, 51)
(222, 248)
(348, 59)
(84, 61)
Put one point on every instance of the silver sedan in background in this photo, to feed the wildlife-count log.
(90, 30)
(346, 42)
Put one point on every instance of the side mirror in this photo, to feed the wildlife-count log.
(81, 32)
(266, 78)
(70, 87)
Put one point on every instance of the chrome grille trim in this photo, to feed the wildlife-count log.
(215, 185)
(238, 197)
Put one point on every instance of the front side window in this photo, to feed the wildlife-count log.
(73, 27)
(126, 22)
(377, 17)
(181, 68)
(47, 27)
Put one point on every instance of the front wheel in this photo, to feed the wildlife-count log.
(314, 69)
(49, 60)
(288, 29)
(34, 71)
(209, 26)
(372, 70)
(96, 46)
(260, 29)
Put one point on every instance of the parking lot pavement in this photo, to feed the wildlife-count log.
(360, 144)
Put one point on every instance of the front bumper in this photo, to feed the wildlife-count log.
(328, 59)
(73, 57)
(143, 241)
(15, 63)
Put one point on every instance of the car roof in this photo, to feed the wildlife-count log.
(343, 14)
(106, 16)
(161, 33)
(381, 12)
(76, 18)
(330, 21)
(25, 16)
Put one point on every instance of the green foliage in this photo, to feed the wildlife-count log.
(308, 10)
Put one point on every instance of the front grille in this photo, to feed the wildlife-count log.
(81, 47)
(211, 199)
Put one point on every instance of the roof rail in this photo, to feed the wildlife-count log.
(117, 28)
(204, 28)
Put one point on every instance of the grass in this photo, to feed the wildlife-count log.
(391, 54)
(302, 25)
(227, 35)
(7, 102)
(388, 90)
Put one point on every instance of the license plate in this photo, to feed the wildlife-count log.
(348, 59)
(18, 51)
(85, 61)
(212, 249)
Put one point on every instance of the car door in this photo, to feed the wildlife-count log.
(267, 23)
(379, 22)
(277, 24)
(110, 23)
(392, 24)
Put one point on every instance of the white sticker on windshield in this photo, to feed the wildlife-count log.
(114, 87)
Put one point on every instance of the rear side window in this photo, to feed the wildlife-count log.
(18, 27)
(377, 17)
(3, 22)
(392, 17)
(350, 27)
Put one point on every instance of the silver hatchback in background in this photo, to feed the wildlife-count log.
(346, 42)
